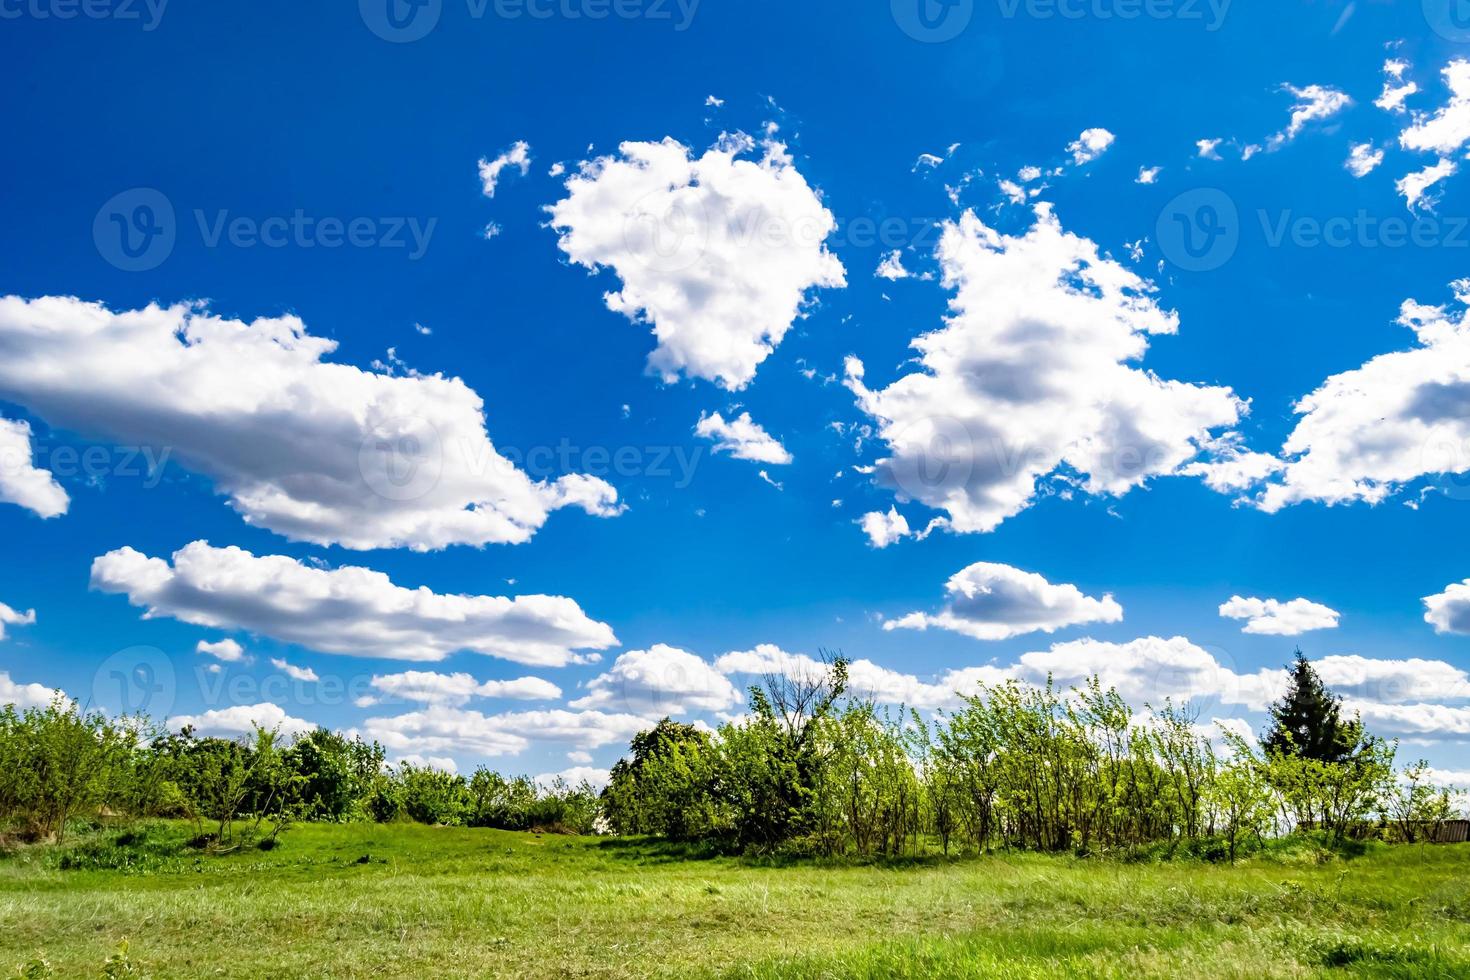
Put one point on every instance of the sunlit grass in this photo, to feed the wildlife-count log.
(410, 901)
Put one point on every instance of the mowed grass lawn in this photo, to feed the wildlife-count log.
(411, 901)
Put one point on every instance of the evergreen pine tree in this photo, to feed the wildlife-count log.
(1307, 721)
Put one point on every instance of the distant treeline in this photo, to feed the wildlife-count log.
(809, 770)
(59, 764)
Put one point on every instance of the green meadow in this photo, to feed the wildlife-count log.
(403, 900)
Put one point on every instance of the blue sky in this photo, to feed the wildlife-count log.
(257, 114)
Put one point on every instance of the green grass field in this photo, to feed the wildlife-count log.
(411, 901)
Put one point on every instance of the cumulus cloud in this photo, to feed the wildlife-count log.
(1231, 467)
(25, 696)
(348, 610)
(996, 602)
(1150, 669)
(1395, 90)
(227, 651)
(884, 529)
(13, 617)
(1449, 611)
(21, 482)
(241, 719)
(1092, 144)
(445, 730)
(717, 252)
(1448, 128)
(1148, 175)
(1271, 617)
(1413, 722)
(1363, 159)
(1401, 416)
(1393, 681)
(742, 438)
(575, 776)
(303, 674)
(455, 690)
(517, 157)
(310, 449)
(1035, 371)
(661, 680)
(1414, 188)
(891, 267)
(1209, 149)
(866, 679)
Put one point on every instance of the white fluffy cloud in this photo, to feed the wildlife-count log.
(1314, 104)
(1150, 669)
(1271, 617)
(518, 157)
(575, 776)
(1448, 128)
(1035, 371)
(313, 450)
(742, 438)
(1413, 722)
(1415, 187)
(1393, 681)
(1395, 90)
(884, 529)
(866, 679)
(241, 719)
(303, 674)
(891, 268)
(662, 680)
(1391, 694)
(427, 687)
(1449, 611)
(1363, 159)
(1401, 416)
(1092, 144)
(25, 695)
(1231, 467)
(717, 252)
(13, 617)
(348, 610)
(995, 602)
(444, 730)
(1148, 175)
(226, 650)
(21, 482)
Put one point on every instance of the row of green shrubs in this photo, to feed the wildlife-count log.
(59, 764)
